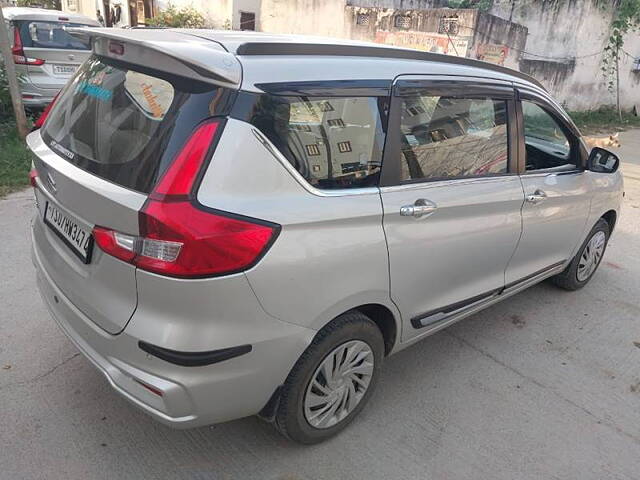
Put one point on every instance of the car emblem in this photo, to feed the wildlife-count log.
(71, 57)
(51, 182)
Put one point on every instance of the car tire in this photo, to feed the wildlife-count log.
(586, 262)
(351, 347)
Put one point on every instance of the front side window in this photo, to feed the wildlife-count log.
(445, 137)
(547, 146)
(333, 142)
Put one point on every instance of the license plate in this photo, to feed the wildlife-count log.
(64, 69)
(73, 235)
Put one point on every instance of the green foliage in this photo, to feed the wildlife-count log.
(626, 18)
(186, 17)
(6, 108)
(482, 5)
(15, 160)
(5, 97)
(604, 120)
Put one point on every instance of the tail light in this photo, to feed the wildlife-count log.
(18, 52)
(45, 113)
(182, 239)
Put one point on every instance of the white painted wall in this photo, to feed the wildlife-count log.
(574, 29)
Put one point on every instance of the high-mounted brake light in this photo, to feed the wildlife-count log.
(45, 113)
(116, 48)
(18, 52)
(181, 239)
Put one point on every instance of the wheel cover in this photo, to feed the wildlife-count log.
(591, 255)
(338, 384)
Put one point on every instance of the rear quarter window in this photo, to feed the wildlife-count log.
(333, 142)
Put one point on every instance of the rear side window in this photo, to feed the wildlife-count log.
(126, 125)
(334, 142)
(445, 137)
(51, 35)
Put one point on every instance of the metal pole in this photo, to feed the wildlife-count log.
(10, 69)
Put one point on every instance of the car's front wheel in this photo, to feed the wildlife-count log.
(332, 380)
(587, 260)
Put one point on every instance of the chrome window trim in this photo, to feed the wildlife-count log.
(447, 182)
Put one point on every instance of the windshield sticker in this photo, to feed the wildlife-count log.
(95, 91)
(151, 95)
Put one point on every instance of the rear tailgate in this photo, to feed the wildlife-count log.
(104, 289)
(109, 137)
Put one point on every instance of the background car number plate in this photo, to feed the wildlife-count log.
(73, 235)
(64, 69)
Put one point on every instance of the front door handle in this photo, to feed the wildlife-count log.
(536, 197)
(420, 208)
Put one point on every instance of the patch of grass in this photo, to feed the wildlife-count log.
(15, 160)
(604, 121)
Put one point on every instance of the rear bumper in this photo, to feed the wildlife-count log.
(191, 395)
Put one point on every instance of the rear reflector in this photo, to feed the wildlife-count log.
(178, 237)
(153, 390)
(33, 175)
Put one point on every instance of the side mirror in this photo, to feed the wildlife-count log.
(602, 161)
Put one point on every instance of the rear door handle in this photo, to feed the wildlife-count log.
(536, 197)
(420, 208)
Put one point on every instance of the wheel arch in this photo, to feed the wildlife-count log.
(610, 217)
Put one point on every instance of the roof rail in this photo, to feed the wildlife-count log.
(284, 48)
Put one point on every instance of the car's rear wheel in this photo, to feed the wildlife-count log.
(586, 262)
(332, 380)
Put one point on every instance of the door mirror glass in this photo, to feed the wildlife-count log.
(603, 161)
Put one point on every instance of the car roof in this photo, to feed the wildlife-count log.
(264, 58)
(28, 13)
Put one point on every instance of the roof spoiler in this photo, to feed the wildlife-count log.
(174, 53)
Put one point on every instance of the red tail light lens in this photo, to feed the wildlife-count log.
(18, 52)
(210, 243)
(177, 182)
(181, 239)
(44, 114)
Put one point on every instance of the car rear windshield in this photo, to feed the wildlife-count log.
(333, 142)
(125, 123)
(37, 34)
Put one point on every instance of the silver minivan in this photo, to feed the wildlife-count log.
(231, 224)
(46, 56)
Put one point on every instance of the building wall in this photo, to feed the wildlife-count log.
(305, 17)
(563, 36)
(476, 34)
(399, 4)
(249, 6)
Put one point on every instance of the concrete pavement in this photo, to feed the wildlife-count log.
(544, 385)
